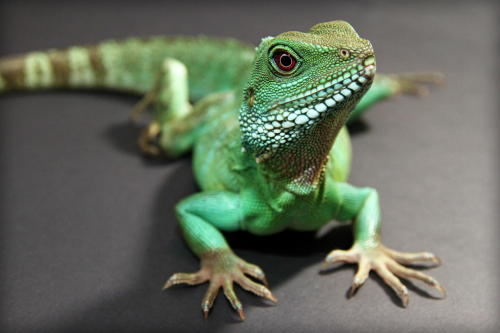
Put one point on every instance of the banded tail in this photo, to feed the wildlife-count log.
(130, 65)
(76, 67)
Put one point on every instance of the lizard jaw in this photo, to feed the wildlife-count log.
(298, 113)
(335, 85)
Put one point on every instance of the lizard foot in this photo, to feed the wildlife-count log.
(223, 268)
(148, 140)
(415, 83)
(387, 264)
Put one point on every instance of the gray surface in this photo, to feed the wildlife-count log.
(88, 233)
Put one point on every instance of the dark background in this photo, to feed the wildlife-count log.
(87, 230)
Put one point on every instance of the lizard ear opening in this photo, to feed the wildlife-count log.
(250, 97)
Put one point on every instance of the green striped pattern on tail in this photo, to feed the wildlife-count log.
(130, 65)
(75, 67)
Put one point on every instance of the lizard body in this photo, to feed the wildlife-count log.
(271, 151)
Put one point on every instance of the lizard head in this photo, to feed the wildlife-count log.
(302, 88)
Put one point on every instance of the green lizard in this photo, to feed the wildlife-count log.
(266, 125)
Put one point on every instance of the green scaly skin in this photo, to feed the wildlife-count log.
(275, 157)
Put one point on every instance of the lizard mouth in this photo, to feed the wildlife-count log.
(288, 118)
(331, 93)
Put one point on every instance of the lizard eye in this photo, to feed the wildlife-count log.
(345, 53)
(284, 60)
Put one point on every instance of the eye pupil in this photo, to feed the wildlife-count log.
(284, 60)
(344, 53)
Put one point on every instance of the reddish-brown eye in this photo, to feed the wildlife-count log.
(284, 60)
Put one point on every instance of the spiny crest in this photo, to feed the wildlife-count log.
(333, 27)
(329, 34)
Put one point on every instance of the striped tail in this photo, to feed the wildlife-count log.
(131, 65)
(76, 67)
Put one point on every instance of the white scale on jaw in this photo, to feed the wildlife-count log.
(336, 91)
(337, 94)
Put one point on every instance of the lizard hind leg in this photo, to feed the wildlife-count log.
(388, 85)
(169, 94)
(416, 83)
(176, 123)
(170, 98)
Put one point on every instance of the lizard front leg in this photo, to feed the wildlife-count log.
(362, 206)
(201, 216)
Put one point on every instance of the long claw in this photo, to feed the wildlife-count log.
(394, 283)
(209, 298)
(412, 258)
(256, 288)
(255, 272)
(441, 289)
(241, 314)
(188, 278)
(147, 140)
(354, 288)
(264, 280)
(405, 298)
(411, 273)
(360, 277)
(233, 299)
(338, 256)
